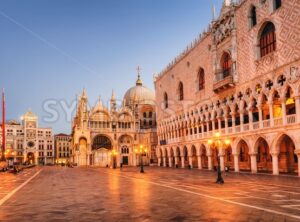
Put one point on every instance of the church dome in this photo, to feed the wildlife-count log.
(139, 94)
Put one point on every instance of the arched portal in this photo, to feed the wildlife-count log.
(288, 160)
(30, 158)
(178, 156)
(229, 162)
(204, 158)
(172, 156)
(101, 148)
(83, 152)
(263, 158)
(244, 158)
(101, 141)
(194, 157)
(185, 156)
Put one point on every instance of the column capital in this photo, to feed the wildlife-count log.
(253, 154)
(297, 152)
(274, 153)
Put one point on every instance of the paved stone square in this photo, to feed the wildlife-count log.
(161, 194)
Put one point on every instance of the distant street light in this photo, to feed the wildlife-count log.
(141, 151)
(218, 143)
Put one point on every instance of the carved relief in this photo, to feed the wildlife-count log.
(223, 28)
(294, 75)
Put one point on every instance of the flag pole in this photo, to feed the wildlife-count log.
(3, 127)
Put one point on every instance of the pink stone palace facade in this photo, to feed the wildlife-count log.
(240, 78)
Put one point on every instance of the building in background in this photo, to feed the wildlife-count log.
(63, 151)
(27, 142)
(240, 78)
(99, 131)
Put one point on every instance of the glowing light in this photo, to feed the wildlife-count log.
(218, 134)
(227, 142)
(290, 101)
(210, 142)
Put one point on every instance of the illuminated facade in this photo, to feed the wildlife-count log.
(99, 132)
(62, 145)
(27, 142)
(240, 78)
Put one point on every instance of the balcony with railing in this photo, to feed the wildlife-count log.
(223, 80)
(263, 124)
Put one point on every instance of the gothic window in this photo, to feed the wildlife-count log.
(226, 64)
(253, 20)
(267, 39)
(180, 91)
(201, 79)
(166, 102)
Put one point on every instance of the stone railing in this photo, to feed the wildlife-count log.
(266, 123)
(278, 121)
(291, 119)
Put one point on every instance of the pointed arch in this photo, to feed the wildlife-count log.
(267, 39)
(180, 91)
(201, 79)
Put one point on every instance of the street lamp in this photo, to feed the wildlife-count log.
(114, 156)
(141, 151)
(218, 143)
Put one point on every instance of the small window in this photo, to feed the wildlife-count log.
(277, 4)
(226, 64)
(253, 20)
(201, 79)
(180, 89)
(166, 100)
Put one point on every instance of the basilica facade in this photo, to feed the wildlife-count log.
(240, 79)
(105, 136)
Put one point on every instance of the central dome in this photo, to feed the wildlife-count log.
(139, 94)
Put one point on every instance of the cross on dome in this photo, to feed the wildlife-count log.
(139, 81)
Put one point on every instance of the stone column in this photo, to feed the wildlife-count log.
(283, 107)
(253, 162)
(226, 125)
(236, 162)
(297, 104)
(275, 163)
(199, 162)
(250, 114)
(207, 127)
(191, 161)
(271, 114)
(260, 116)
(165, 161)
(202, 130)
(170, 161)
(210, 162)
(233, 122)
(222, 162)
(213, 122)
(182, 161)
(176, 161)
(159, 161)
(242, 121)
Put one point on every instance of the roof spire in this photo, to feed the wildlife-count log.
(139, 81)
(113, 97)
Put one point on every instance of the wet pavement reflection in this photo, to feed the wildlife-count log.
(161, 194)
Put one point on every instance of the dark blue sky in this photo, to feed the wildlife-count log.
(52, 49)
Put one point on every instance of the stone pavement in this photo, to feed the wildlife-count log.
(161, 194)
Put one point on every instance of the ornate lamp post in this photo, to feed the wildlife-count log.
(141, 151)
(218, 143)
(114, 156)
